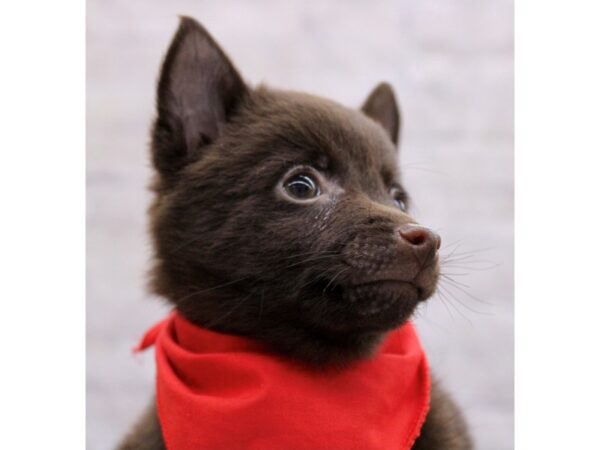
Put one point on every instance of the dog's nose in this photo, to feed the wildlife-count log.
(421, 240)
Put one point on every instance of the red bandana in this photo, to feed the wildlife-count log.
(222, 392)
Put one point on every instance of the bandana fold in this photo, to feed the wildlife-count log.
(222, 392)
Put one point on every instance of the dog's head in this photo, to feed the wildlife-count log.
(280, 215)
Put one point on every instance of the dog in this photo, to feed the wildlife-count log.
(280, 217)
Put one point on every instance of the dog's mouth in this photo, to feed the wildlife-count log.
(389, 287)
(371, 305)
(381, 296)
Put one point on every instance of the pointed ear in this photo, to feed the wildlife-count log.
(381, 106)
(198, 90)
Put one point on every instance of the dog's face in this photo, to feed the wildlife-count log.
(280, 215)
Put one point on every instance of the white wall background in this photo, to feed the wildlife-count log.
(451, 63)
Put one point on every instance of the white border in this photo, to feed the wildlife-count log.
(42, 231)
(558, 224)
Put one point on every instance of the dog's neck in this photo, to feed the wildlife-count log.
(306, 345)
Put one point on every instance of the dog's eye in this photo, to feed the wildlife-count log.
(399, 197)
(302, 186)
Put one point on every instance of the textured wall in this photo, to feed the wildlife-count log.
(451, 63)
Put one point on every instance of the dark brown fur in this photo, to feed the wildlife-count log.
(322, 281)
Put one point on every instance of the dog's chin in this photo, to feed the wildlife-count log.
(373, 307)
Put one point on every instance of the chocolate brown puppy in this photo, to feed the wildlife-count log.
(282, 217)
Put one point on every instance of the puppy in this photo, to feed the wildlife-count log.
(281, 218)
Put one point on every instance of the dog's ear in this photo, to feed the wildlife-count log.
(198, 90)
(381, 106)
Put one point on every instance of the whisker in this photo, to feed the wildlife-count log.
(314, 252)
(474, 268)
(316, 258)
(473, 297)
(422, 316)
(463, 274)
(466, 257)
(334, 277)
(456, 243)
(443, 298)
(203, 291)
(224, 316)
(451, 280)
(451, 294)
(185, 244)
(423, 166)
(455, 307)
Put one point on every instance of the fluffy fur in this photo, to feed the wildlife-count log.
(319, 280)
